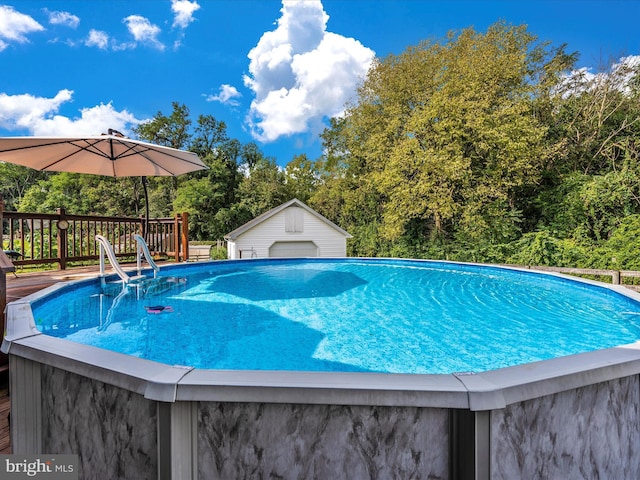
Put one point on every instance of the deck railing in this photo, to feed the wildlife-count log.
(615, 277)
(5, 267)
(48, 239)
(45, 239)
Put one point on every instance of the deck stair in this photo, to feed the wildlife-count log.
(142, 286)
(155, 286)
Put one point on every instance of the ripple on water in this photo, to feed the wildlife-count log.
(384, 316)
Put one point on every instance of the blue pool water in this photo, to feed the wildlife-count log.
(391, 316)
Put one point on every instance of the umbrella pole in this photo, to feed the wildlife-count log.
(146, 209)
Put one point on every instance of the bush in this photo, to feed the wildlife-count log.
(218, 253)
(622, 250)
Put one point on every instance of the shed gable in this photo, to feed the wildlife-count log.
(292, 229)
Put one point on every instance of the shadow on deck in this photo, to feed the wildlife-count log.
(5, 407)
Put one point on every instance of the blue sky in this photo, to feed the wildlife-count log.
(273, 71)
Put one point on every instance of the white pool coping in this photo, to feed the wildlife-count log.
(489, 390)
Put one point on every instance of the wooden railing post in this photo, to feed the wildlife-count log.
(176, 237)
(62, 238)
(615, 277)
(5, 267)
(185, 236)
(1, 221)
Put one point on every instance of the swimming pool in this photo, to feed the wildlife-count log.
(573, 416)
(348, 315)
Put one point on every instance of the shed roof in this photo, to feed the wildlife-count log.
(265, 216)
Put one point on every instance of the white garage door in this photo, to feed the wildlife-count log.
(293, 249)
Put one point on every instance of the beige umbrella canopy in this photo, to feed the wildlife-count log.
(112, 155)
(109, 155)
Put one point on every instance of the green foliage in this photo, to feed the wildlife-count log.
(198, 197)
(476, 147)
(479, 147)
(15, 180)
(218, 253)
(597, 117)
(83, 194)
(538, 248)
(622, 250)
(445, 135)
(170, 131)
(607, 199)
(591, 206)
(263, 188)
(302, 178)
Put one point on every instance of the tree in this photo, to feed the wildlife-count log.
(206, 193)
(599, 116)
(593, 184)
(301, 178)
(220, 198)
(202, 200)
(263, 188)
(220, 153)
(15, 180)
(171, 131)
(84, 195)
(444, 140)
(347, 194)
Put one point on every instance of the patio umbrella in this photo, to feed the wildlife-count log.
(111, 155)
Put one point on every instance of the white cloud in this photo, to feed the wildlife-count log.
(14, 26)
(617, 76)
(97, 38)
(93, 121)
(21, 111)
(226, 95)
(63, 18)
(183, 12)
(38, 115)
(300, 73)
(143, 31)
(626, 69)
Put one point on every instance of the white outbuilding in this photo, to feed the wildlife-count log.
(291, 230)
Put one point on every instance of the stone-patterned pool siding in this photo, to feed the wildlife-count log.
(291, 441)
(589, 432)
(112, 430)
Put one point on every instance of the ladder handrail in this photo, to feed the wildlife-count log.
(105, 246)
(143, 248)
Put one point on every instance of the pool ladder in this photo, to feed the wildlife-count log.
(142, 249)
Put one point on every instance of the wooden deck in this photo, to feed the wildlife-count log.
(19, 286)
(23, 284)
(5, 407)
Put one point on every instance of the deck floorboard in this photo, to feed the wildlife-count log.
(5, 407)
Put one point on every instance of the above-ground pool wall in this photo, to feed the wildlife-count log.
(589, 432)
(112, 430)
(292, 441)
(119, 434)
